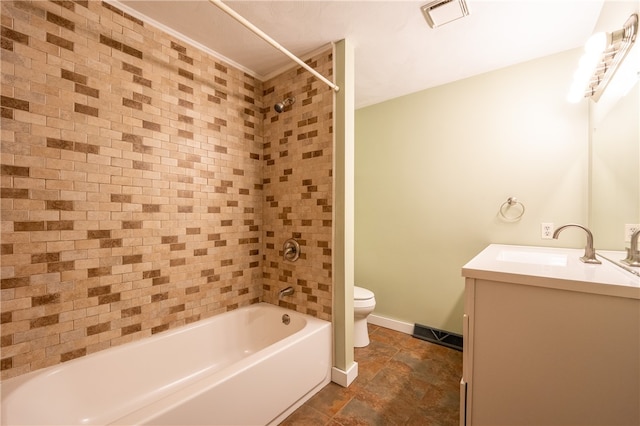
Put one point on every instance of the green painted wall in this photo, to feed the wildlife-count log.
(432, 169)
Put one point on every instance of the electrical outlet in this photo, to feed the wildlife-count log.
(629, 229)
(546, 231)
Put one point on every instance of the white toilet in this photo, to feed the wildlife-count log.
(364, 302)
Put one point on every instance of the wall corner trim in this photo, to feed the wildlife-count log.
(344, 378)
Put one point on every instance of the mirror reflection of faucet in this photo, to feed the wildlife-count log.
(633, 253)
(589, 251)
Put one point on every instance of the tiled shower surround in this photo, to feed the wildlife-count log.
(146, 184)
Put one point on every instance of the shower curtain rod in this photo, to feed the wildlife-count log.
(235, 15)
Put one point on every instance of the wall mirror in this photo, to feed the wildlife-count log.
(615, 171)
(614, 126)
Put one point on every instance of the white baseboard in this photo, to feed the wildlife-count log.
(344, 378)
(401, 326)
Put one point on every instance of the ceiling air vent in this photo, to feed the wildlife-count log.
(440, 12)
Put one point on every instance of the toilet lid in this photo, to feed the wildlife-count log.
(360, 293)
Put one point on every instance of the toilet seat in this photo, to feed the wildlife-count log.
(363, 299)
(360, 293)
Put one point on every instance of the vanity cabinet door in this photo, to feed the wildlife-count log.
(545, 356)
(467, 354)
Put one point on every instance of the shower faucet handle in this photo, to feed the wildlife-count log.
(291, 250)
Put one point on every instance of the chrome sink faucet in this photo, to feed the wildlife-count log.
(589, 251)
(633, 254)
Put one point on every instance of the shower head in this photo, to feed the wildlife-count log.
(280, 106)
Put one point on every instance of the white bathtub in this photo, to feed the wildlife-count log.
(244, 367)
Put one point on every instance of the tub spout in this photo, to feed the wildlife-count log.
(285, 292)
(589, 251)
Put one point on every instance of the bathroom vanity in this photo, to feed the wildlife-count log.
(549, 340)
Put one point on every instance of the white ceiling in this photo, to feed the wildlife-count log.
(396, 52)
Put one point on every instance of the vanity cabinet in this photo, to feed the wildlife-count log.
(549, 340)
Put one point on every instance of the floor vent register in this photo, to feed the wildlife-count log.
(440, 337)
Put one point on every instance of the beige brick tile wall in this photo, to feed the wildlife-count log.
(298, 190)
(146, 185)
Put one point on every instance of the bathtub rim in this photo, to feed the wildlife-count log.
(12, 382)
(9, 387)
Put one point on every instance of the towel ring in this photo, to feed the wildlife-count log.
(511, 202)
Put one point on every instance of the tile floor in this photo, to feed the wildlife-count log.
(401, 381)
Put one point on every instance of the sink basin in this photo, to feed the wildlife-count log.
(522, 255)
(551, 267)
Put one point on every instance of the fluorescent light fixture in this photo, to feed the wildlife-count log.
(589, 61)
(440, 12)
(603, 54)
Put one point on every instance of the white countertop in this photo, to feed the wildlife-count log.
(550, 267)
